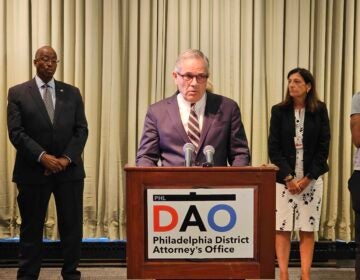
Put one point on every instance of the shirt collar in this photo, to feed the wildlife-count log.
(40, 82)
(200, 104)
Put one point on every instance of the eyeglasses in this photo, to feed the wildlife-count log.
(47, 59)
(201, 78)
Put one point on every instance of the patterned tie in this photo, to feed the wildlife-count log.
(193, 127)
(48, 102)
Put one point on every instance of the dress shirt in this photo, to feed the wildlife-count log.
(184, 108)
(51, 88)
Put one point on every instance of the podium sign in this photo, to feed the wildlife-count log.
(200, 223)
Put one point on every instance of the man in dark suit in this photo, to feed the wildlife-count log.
(170, 123)
(48, 128)
(354, 181)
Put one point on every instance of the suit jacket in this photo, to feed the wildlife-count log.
(316, 140)
(164, 135)
(31, 131)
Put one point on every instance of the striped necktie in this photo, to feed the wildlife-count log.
(49, 105)
(193, 127)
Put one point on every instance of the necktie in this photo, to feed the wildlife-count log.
(48, 102)
(193, 127)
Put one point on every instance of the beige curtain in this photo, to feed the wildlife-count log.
(120, 53)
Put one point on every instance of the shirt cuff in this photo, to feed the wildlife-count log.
(67, 158)
(40, 156)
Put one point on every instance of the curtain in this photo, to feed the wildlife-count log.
(121, 53)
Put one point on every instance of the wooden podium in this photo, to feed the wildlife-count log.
(260, 181)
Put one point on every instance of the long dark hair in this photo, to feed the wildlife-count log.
(311, 100)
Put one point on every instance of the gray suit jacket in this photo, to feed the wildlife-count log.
(31, 131)
(164, 135)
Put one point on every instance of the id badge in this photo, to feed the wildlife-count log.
(298, 142)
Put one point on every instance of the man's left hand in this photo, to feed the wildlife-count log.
(64, 161)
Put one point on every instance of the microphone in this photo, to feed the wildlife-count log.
(209, 152)
(188, 149)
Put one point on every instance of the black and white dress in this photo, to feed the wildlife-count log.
(299, 211)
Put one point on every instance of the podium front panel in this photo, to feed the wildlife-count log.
(200, 223)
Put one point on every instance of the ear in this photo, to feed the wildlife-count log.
(308, 88)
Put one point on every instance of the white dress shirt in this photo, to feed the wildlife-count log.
(184, 109)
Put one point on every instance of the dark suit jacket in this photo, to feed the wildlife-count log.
(316, 140)
(31, 131)
(164, 135)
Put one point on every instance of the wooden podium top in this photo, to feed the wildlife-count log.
(265, 168)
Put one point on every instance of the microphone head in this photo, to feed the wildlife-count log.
(209, 148)
(189, 146)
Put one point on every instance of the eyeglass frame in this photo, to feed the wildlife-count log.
(189, 77)
(47, 59)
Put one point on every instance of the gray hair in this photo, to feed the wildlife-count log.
(191, 53)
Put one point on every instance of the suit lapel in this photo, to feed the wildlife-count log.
(291, 118)
(211, 109)
(306, 134)
(174, 114)
(59, 91)
(35, 94)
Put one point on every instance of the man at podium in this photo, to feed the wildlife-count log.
(193, 127)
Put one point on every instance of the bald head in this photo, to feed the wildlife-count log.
(47, 49)
(45, 62)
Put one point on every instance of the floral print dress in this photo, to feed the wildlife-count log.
(299, 211)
